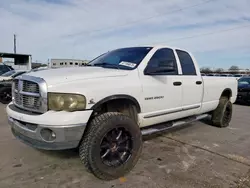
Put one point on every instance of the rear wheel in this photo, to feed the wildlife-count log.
(111, 145)
(222, 115)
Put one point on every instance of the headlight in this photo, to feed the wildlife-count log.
(66, 101)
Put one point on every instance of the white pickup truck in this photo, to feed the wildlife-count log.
(105, 108)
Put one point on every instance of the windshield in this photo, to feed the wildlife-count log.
(244, 81)
(124, 58)
(9, 73)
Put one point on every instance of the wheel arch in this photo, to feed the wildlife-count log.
(226, 93)
(116, 97)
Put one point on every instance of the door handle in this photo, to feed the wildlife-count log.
(177, 83)
(198, 82)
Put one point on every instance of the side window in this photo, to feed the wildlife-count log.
(187, 63)
(163, 62)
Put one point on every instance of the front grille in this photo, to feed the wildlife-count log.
(31, 102)
(30, 87)
(16, 83)
(27, 95)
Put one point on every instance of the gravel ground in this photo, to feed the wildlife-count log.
(197, 155)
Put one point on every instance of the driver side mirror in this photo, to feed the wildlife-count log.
(160, 67)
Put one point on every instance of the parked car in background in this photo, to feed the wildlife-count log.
(238, 76)
(5, 91)
(226, 75)
(244, 90)
(246, 75)
(5, 68)
(11, 74)
(210, 74)
(6, 84)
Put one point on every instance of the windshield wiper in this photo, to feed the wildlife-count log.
(109, 64)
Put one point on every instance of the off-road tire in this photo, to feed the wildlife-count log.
(222, 115)
(89, 148)
(2, 98)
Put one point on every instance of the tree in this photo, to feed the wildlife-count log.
(206, 70)
(234, 67)
(219, 70)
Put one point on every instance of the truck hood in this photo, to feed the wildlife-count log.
(62, 75)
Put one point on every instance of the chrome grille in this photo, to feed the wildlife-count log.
(18, 98)
(16, 83)
(31, 102)
(30, 87)
(27, 94)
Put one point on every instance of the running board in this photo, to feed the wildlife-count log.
(163, 127)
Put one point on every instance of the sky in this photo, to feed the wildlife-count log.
(217, 32)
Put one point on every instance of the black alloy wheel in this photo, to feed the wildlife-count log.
(116, 147)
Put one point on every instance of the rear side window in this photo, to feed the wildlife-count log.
(187, 63)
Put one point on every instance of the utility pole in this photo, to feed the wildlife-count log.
(15, 43)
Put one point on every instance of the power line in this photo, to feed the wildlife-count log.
(210, 33)
(142, 20)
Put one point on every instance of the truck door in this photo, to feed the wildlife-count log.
(192, 84)
(162, 89)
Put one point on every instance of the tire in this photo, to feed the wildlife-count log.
(103, 128)
(5, 95)
(222, 115)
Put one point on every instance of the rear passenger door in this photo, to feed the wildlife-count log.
(192, 85)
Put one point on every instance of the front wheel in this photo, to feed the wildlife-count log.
(5, 95)
(111, 145)
(222, 115)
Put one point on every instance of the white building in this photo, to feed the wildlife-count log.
(56, 63)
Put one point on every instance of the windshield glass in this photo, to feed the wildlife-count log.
(9, 73)
(244, 81)
(124, 58)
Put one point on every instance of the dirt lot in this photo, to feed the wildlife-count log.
(197, 155)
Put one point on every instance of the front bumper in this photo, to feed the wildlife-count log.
(68, 127)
